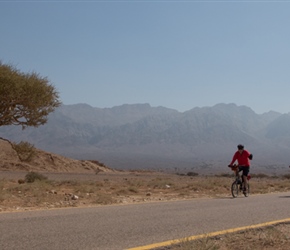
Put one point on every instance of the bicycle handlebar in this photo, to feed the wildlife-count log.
(233, 167)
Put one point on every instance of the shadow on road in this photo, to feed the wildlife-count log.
(286, 196)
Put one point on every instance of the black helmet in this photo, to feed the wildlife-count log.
(240, 146)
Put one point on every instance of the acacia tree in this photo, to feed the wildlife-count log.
(26, 99)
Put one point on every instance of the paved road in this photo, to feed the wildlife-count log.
(127, 226)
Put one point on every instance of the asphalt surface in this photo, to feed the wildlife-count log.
(127, 226)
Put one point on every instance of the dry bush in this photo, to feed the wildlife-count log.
(24, 150)
(192, 174)
(33, 176)
(98, 163)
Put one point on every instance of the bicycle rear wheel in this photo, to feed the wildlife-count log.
(235, 189)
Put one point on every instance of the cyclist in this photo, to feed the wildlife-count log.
(243, 157)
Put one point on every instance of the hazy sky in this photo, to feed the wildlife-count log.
(176, 54)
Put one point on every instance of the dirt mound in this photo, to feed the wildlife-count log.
(45, 162)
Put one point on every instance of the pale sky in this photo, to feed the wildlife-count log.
(175, 54)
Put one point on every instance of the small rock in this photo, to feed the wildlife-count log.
(74, 197)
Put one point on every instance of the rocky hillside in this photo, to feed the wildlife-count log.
(44, 162)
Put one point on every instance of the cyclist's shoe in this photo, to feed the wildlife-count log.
(241, 188)
(244, 190)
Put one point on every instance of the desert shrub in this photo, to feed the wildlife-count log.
(286, 176)
(33, 176)
(192, 174)
(21, 181)
(180, 174)
(24, 150)
(133, 189)
(98, 163)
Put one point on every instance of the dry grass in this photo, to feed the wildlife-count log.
(275, 237)
(130, 187)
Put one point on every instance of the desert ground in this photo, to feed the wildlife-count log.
(49, 181)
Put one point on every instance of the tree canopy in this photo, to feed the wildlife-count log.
(26, 99)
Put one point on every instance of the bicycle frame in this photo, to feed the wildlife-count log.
(237, 185)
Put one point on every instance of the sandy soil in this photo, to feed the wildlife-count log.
(45, 162)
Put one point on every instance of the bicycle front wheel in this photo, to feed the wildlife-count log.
(235, 189)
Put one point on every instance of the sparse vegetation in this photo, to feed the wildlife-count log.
(25, 150)
(272, 237)
(192, 174)
(134, 187)
(33, 176)
(287, 176)
(98, 163)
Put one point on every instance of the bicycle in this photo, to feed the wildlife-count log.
(238, 184)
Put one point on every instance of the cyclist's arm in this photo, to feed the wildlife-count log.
(234, 159)
(249, 155)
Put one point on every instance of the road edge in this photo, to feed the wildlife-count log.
(200, 236)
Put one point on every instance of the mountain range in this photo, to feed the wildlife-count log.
(138, 136)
